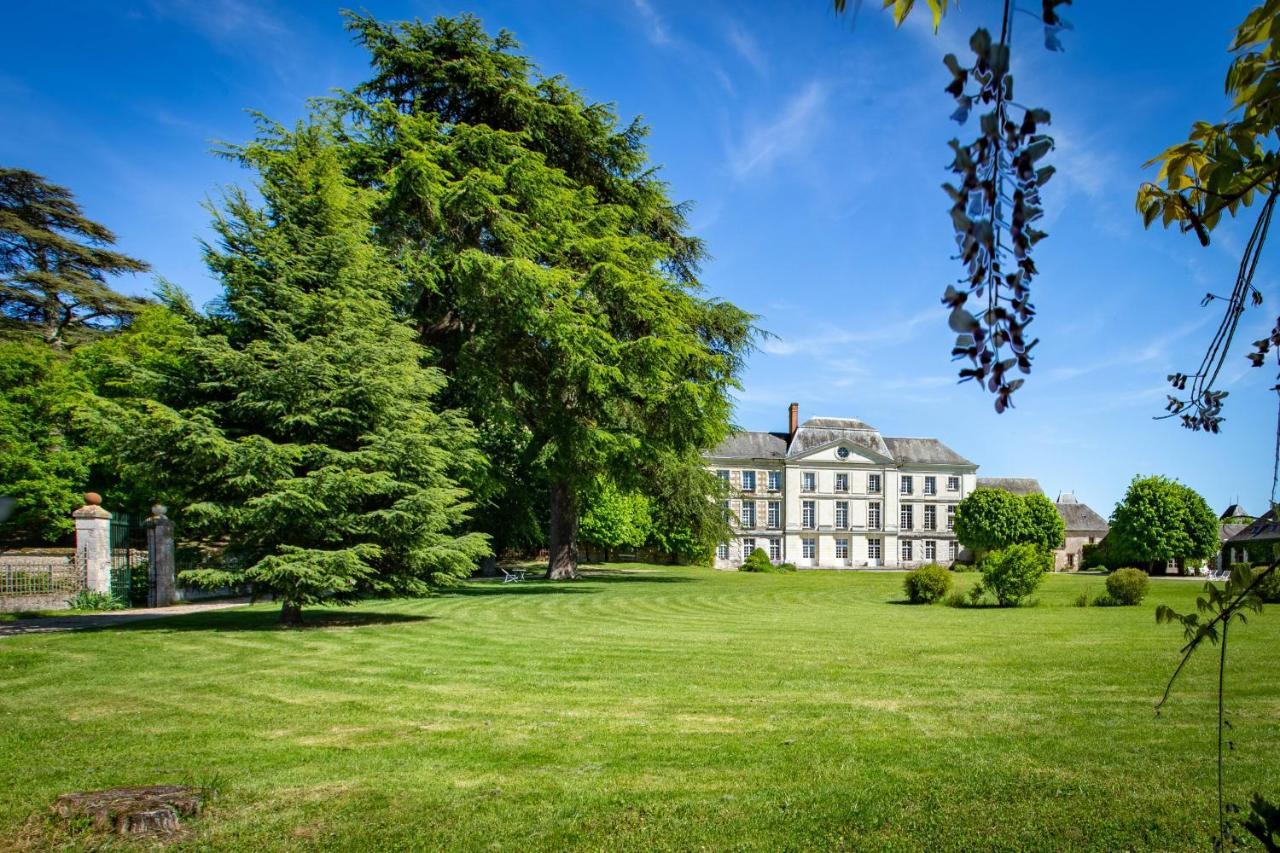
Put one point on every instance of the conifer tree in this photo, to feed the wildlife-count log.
(312, 442)
(54, 262)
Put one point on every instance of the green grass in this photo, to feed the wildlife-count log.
(651, 708)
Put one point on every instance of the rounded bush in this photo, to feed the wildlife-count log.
(1127, 586)
(1013, 573)
(927, 584)
(1269, 587)
(756, 561)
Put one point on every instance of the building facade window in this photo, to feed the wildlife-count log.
(953, 484)
(775, 481)
(930, 485)
(808, 481)
(748, 481)
(952, 549)
(728, 513)
(873, 515)
(873, 484)
(842, 514)
(906, 484)
(722, 551)
(748, 545)
(906, 550)
(775, 514)
(748, 515)
(775, 550)
(874, 548)
(906, 517)
(1071, 561)
(951, 518)
(930, 549)
(808, 515)
(723, 474)
(842, 549)
(930, 517)
(842, 482)
(809, 548)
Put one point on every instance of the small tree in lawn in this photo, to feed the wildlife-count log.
(988, 519)
(1042, 523)
(54, 262)
(312, 444)
(1013, 573)
(1160, 520)
(614, 518)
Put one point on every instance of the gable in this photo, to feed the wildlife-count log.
(830, 452)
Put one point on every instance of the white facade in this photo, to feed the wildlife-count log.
(834, 493)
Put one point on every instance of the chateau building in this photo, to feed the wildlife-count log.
(835, 493)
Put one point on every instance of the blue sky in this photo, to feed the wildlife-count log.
(813, 148)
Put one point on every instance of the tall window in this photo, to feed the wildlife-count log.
(809, 548)
(930, 485)
(748, 515)
(906, 485)
(775, 514)
(723, 474)
(873, 484)
(952, 550)
(930, 517)
(724, 507)
(748, 481)
(906, 550)
(842, 482)
(930, 549)
(722, 551)
(808, 482)
(775, 481)
(874, 547)
(842, 549)
(808, 515)
(953, 484)
(951, 518)
(906, 517)
(748, 545)
(873, 515)
(842, 514)
(775, 550)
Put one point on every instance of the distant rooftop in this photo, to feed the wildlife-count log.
(1014, 485)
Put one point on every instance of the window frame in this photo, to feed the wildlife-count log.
(842, 505)
(809, 547)
(876, 509)
(773, 515)
(875, 548)
(745, 475)
(953, 483)
(906, 484)
(875, 483)
(808, 515)
(743, 513)
(905, 550)
(842, 477)
(930, 485)
(809, 481)
(906, 517)
(842, 544)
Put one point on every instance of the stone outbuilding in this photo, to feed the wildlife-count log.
(1083, 527)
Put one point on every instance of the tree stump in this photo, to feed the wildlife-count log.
(148, 810)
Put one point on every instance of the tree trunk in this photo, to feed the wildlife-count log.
(563, 562)
(290, 613)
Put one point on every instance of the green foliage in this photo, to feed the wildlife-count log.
(1159, 520)
(988, 519)
(614, 518)
(54, 263)
(685, 524)
(43, 468)
(92, 600)
(756, 561)
(545, 264)
(299, 420)
(1128, 586)
(1268, 584)
(1013, 573)
(927, 584)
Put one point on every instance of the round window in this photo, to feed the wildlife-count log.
(842, 452)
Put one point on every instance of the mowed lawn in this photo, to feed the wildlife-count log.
(651, 707)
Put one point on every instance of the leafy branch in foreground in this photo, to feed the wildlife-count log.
(1222, 168)
(1222, 605)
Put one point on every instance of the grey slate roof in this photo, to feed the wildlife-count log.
(1227, 531)
(1265, 529)
(1234, 511)
(1014, 485)
(816, 432)
(753, 445)
(1078, 517)
(924, 451)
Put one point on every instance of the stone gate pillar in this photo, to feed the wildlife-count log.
(93, 543)
(164, 582)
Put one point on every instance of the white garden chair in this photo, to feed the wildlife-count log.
(512, 575)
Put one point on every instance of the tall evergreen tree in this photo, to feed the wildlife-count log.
(54, 261)
(549, 268)
(312, 443)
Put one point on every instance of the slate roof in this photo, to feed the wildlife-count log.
(1265, 529)
(816, 432)
(1235, 511)
(1078, 517)
(924, 451)
(1227, 531)
(753, 445)
(1014, 485)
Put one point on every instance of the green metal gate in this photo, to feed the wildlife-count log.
(130, 578)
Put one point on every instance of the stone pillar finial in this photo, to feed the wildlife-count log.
(163, 572)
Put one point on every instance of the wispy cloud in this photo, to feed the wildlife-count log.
(790, 133)
(828, 340)
(655, 27)
(747, 47)
(222, 20)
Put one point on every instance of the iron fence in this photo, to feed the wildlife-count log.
(24, 575)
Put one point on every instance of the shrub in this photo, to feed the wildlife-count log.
(1127, 586)
(758, 561)
(1011, 574)
(1082, 600)
(786, 567)
(927, 584)
(1269, 588)
(88, 599)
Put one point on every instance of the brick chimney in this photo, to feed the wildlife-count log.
(795, 419)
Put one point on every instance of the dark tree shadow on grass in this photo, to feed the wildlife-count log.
(255, 619)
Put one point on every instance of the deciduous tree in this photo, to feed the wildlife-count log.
(613, 518)
(1159, 520)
